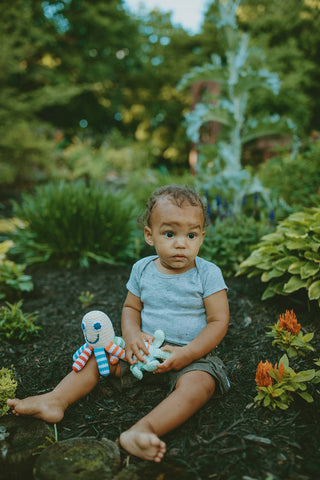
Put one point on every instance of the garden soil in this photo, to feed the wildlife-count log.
(228, 438)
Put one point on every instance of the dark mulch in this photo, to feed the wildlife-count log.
(227, 439)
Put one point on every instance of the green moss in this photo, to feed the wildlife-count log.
(8, 387)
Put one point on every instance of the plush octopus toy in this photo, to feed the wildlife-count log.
(100, 339)
(152, 361)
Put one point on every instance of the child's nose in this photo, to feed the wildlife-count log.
(180, 242)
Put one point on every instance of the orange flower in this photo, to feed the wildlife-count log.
(281, 371)
(289, 322)
(263, 378)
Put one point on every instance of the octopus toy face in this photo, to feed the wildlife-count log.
(97, 329)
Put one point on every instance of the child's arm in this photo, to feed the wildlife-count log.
(217, 310)
(131, 329)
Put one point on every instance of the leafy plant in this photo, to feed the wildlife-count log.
(276, 385)
(75, 223)
(317, 375)
(229, 241)
(115, 158)
(86, 298)
(12, 276)
(8, 387)
(294, 179)
(288, 336)
(289, 258)
(238, 76)
(16, 325)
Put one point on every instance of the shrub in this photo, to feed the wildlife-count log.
(294, 179)
(75, 223)
(230, 240)
(8, 387)
(12, 276)
(16, 325)
(141, 183)
(113, 159)
(27, 154)
(289, 259)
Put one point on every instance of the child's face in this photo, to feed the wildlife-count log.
(176, 233)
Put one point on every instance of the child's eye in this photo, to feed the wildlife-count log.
(169, 234)
(191, 235)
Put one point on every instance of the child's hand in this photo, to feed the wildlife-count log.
(135, 344)
(178, 359)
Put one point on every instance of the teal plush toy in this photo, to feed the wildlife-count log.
(152, 360)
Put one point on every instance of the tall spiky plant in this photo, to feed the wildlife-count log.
(221, 168)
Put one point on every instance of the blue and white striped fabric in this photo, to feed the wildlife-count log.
(79, 351)
(102, 361)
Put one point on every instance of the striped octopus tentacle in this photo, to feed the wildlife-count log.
(102, 361)
(116, 353)
(82, 357)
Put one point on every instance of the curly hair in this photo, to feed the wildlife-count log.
(178, 195)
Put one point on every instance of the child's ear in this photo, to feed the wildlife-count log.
(148, 236)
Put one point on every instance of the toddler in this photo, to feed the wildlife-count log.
(175, 291)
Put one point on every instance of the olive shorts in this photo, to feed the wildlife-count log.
(210, 363)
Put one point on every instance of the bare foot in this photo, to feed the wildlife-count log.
(145, 445)
(45, 406)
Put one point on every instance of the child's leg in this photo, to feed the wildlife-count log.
(193, 390)
(51, 406)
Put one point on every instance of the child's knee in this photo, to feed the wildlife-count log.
(202, 384)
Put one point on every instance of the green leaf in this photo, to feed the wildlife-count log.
(284, 263)
(309, 269)
(297, 234)
(282, 406)
(292, 352)
(274, 273)
(295, 267)
(268, 293)
(266, 401)
(308, 337)
(314, 290)
(297, 245)
(306, 396)
(313, 256)
(276, 237)
(304, 376)
(294, 284)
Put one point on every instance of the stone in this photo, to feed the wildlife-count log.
(79, 458)
(154, 471)
(21, 438)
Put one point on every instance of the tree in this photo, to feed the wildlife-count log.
(27, 86)
(289, 34)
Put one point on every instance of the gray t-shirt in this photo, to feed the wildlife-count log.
(174, 303)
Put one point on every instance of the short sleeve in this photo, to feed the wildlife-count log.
(211, 277)
(133, 284)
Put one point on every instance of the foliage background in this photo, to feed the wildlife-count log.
(74, 70)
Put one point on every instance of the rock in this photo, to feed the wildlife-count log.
(154, 471)
(78, 459)
(21, 438)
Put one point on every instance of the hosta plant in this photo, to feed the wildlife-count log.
(8, 387)
(276, 385)
(287, 335)
(317, 375)
(289, 258)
